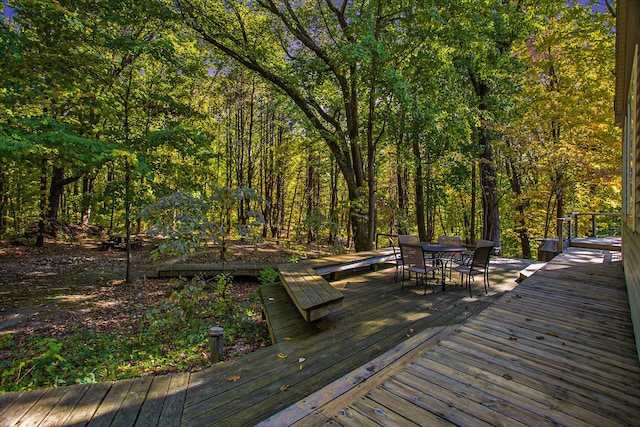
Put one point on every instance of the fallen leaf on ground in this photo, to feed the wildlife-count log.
(233, 378)
(302, 359)
(282, 356)
(284, 387)
(287, 338)
(553, 334)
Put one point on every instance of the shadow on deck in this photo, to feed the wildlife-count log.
(382, 326)
(557, 350)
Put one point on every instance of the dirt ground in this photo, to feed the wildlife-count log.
(63, 287)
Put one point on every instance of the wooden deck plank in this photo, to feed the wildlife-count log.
(517, 368)
(523, 394)
(111, 404)
(551, 352)
(132, 402)
(20, 406)
(171, 414)
(152, 406)
(357, 382)
(355, 351)
(88, 403)
(65, 406)
(377, 316)
(41, 408)
(213, 269)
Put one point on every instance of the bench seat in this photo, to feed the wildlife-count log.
(312, 295)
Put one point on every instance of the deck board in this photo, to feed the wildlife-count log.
(492, 368)
(557, 350)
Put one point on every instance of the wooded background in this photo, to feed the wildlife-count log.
(483, 119)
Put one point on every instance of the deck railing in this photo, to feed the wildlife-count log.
(609, 227)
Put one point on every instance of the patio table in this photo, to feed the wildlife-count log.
(438, 248)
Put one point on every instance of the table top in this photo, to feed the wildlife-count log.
(438, 247)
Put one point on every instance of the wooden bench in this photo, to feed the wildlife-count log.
(368, 259)
(312, 295)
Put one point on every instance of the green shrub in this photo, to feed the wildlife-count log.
(268, 276)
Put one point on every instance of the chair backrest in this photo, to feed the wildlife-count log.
(450, 240)
(407, 238)
(481, 257)
(481, 243)
(412, 254)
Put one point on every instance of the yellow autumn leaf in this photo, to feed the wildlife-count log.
(282, 356)
(287, 338)
(233, 378)
(284, 387)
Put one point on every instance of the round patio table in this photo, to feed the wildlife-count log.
(437, 248)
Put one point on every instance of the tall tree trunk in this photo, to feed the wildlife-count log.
(419, 189)
(87, 192)
(474, 192)
(521, 222)
(43, 204)
(55, 191)
(488, 172)
(333, 199)
(403, 185)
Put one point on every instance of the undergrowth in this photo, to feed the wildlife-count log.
(172, 336)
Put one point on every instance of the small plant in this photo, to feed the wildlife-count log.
(268, 276)
(189, 222)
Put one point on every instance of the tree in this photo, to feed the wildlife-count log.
(311, 52)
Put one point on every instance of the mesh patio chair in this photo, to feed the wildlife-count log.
(397, 255)
(414, 260)
(404, 239)
(477, 264)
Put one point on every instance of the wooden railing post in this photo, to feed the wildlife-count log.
(559, 233)
(216, 342)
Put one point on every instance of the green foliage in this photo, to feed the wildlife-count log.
(268, 276)
(188, 222)
(172, 336)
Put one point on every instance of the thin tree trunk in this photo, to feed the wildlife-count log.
(43, 204)
(419, 191)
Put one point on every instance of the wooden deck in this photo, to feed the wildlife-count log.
(557, 350)
(558, 346)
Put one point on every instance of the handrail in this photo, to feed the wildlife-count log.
(573, 225)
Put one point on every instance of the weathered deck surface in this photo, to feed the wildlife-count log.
(377, 316)
(557, 350)
(603, 243)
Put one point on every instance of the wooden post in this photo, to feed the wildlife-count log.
(216, 340)
(560, 221)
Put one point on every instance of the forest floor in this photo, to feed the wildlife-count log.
(54, 291)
